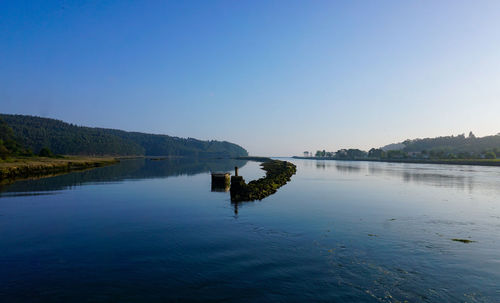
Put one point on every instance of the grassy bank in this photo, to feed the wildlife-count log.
(481, 162)
(34, 167)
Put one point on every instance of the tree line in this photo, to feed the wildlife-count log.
(9, 146)
(448, 147)
(35, 133)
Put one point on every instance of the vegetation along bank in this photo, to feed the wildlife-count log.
(35, 167)
(470, 150)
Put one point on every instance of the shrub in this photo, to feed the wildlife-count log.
(490, 155)
(45, 152)
(4, 152)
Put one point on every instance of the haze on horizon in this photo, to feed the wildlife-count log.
(276, 77)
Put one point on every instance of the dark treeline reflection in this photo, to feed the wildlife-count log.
(125, 170)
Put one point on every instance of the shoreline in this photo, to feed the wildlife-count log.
(39, 167)
(477, 162)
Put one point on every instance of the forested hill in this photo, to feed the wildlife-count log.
(456, 144)
(68, 139)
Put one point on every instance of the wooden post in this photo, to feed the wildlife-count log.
(236, 171)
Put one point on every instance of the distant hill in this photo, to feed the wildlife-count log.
(64, 138)
(393, 146)
(455, 144)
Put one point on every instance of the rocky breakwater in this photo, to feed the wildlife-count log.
(278, 173)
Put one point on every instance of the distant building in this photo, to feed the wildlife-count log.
(306, 154)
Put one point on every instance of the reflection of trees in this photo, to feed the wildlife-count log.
(126, 170)
(344, 166)
(438, 179)
(348, 168)
(425, 174)
(324, 164)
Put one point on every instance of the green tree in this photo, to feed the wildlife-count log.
(396, 154)
(354, 153)
(490, 155)
(45, 152)
(10, 146)
(4, 152)
(376, 153)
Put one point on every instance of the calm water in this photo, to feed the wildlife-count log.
(152, 231)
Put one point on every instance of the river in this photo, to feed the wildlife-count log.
(340, 231)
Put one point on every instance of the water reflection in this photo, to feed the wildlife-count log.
(323, 164)
(435, 176)
(221, 188)
(439, 180)
(126, 170)
(339, 231)
(352, 168)
(451, 176)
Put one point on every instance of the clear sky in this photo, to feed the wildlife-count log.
(277, 77)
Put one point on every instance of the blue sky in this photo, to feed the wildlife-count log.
(277, 77)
